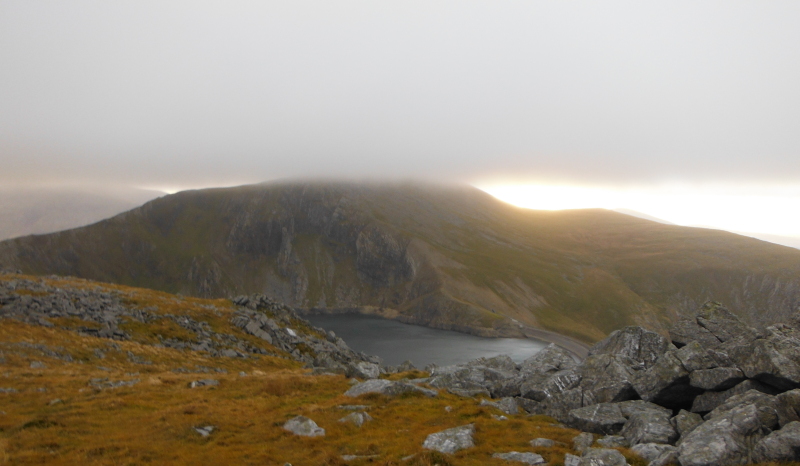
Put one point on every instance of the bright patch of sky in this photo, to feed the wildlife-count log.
(764, 209)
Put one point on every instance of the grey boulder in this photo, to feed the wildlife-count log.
(652, 427)
(667, 382)
(727, 438)
(712, 326)
(603, 457)
(774, 360)
(363, 370)
(542, 442)
(609, 418)
(386, 387)
(685, 422)
(548, 361)
(357, 419)
(451, 440)
(524, 458)
(304, 427)
(651, 451)
(718, 378)
(635, 343)
(709, 401)
(582, 442)
(781, 445)
(602, 418)
(613, 441)
(506, 405)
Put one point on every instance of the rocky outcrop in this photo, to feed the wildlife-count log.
(718, 393)
(104, 313)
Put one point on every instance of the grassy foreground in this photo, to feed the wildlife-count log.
(62, 412)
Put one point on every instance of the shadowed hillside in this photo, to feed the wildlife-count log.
(447, 257)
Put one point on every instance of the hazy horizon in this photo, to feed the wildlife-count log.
(684, 111)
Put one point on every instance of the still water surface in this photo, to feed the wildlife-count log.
(396, 342)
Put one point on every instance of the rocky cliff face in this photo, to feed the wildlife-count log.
(451, 258)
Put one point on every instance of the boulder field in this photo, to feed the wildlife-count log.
(716, 392)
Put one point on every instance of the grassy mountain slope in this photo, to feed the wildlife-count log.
(448, 257)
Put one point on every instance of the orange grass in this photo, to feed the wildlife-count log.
(153, 421)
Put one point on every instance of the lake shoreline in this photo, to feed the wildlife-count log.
(578, 349)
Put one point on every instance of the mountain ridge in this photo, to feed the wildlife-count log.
(448, 257)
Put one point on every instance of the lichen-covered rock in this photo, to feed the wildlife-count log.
(501, 362)
(540, 387)
(524, 458)
(613, 441)
(774, 360)
(606, 378)
(363, 370)
(750, 397)
(667, 382)
(603, 457)
(651, 451)
(386, 387)
(357, 419)
(582, 442)
(549, 360)
(572, 460)
(304, 427)
(649, 427)
(685, 422)
(542, 442)
(727, 438)
(788, 407)
(636, 343)
(468, 377)
(718, 378)
(782, 445)
(712, 326)
(451, 440)
(609, 418)
(602, 418)
(710, 400)
(506, 405)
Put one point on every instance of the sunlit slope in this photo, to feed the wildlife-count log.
(449, 257)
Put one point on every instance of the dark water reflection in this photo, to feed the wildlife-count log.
(396, 342)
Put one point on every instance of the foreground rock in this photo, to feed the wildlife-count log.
(603, 457)
(783, 445)
(304, 427)
(387, 387)
(727, 437)
(707, 396)
(524, 458)
(451, 440)
(357, 419)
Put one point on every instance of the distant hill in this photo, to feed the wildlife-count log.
(447, 257)
(790, 241)
(27, 211)
(642, 215)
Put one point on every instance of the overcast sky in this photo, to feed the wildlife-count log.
(188, 94)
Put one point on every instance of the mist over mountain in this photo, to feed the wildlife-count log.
(447, 257)
(31, 210)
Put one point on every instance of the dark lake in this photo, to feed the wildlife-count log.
(396, 342)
